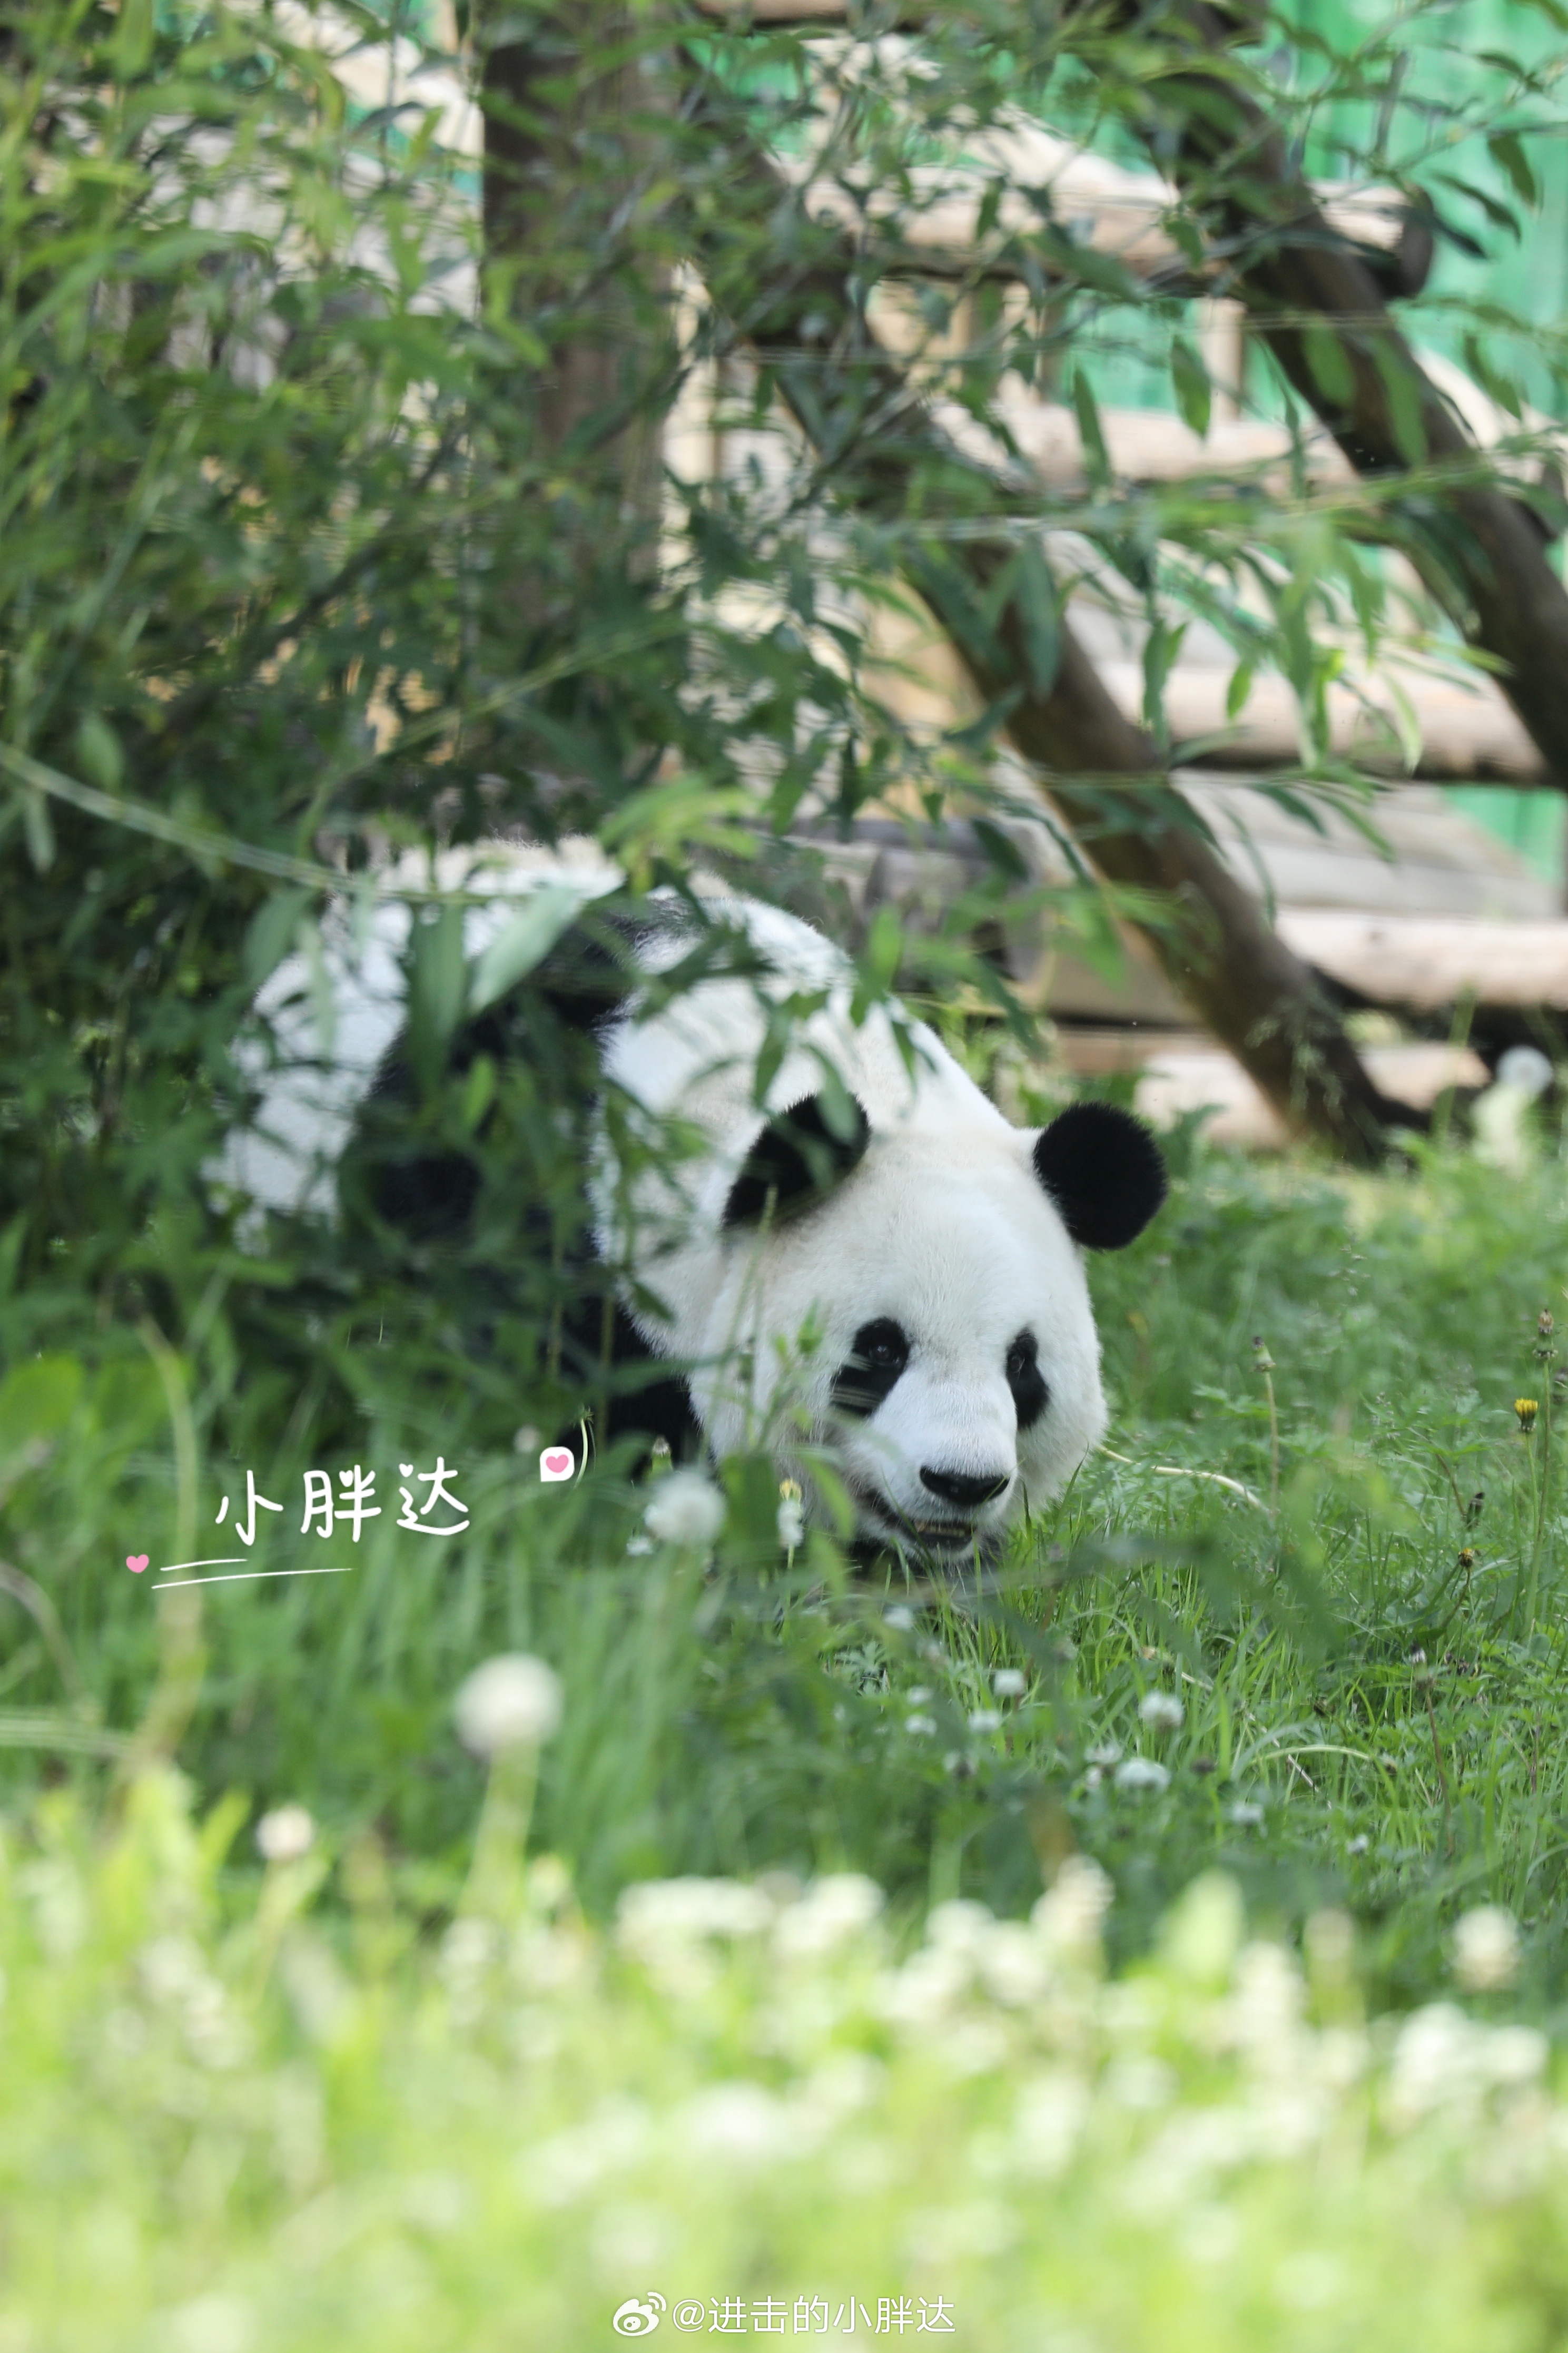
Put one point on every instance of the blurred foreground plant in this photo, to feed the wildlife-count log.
(756, 2099)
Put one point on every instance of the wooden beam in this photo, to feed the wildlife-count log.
(933, 228)
(1468, 735)
(1425, 964)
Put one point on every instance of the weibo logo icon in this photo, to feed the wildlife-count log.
(556, 1462)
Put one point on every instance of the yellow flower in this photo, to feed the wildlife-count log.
(1527, 1408)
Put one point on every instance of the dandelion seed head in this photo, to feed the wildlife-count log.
(686, 1509)
(511, 1702)
(1142, 1773)
(1486, 1949)
(285, 1834)
(1162, 1711)
(984, 1719)
(1009, 1682)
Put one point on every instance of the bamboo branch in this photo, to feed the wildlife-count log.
(1314, 302)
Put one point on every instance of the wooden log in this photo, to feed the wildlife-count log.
(1150, 446)
(1176, 1083)
(1425, 964)
(1467, 734)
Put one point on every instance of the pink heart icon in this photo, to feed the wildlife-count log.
(136, 1562)
(558, 1460)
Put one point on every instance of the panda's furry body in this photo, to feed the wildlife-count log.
(872, 1257)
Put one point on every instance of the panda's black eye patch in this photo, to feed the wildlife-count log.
(1030, 1393)
(877, 1355)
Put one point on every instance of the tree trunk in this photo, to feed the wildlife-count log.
(561, 163)
(890, 461)
(1309, 293)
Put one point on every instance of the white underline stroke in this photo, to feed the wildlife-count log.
(247, 1574)
(229, 1561)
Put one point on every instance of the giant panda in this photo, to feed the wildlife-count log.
(870, 1258)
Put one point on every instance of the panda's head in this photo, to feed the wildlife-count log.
(957, 1365)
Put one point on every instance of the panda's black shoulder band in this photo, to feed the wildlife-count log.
(798, 1157)
(1103, 1170)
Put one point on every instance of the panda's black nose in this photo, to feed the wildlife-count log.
(963, 1488)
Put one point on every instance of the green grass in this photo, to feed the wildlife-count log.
(746, 1719)
(1271, 1543)
(229, 2127)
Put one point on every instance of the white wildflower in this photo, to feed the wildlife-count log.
(832, 1911)
(1266, 2008)
(1142, 1773)
(960, 1926)
(1162, 1711)
(1105, 1753)
(1048, 2121)
(511, 1702)
(921, 1727)
(1066, 1918)
(170, 1966)
(918, 1695)
(659, 1913)
(1013, 1967)
(1139, 2081)
(285, 1834)
(743, 2124)
(1246, 1814)
(686, 1509)
(1009, 1682)
(790, 1523)
(921, 1994)
(1437, 2062)
(984, 1719)
(638, 1547)
(1486, 1949)
(469, 1949)
(901, 1619)
(1359, 1844)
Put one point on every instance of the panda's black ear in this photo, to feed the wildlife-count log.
(1103, 1170)
(796, 1160)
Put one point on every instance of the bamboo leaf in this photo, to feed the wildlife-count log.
(1329, 363)
(1190, 382)
(1095, 457)
(1035, 596)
